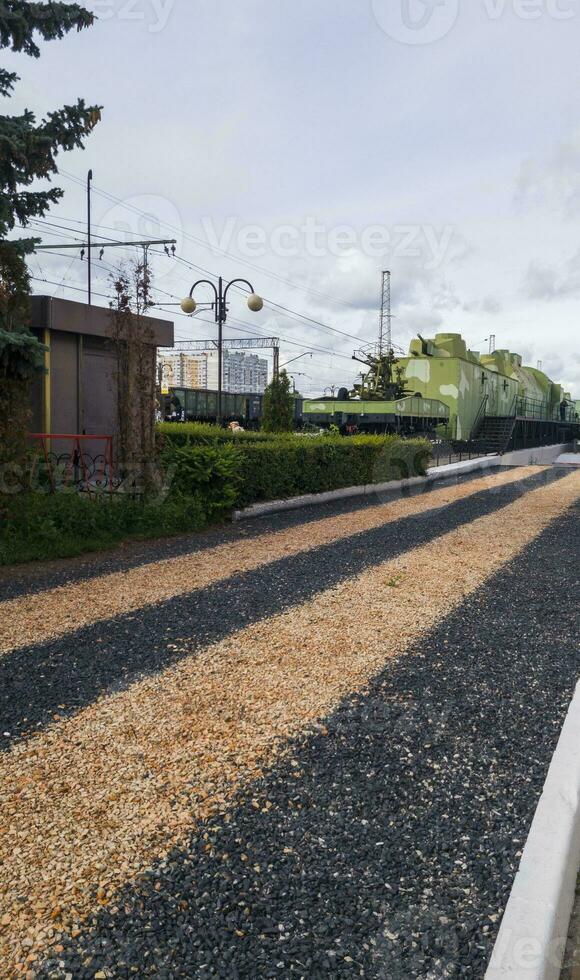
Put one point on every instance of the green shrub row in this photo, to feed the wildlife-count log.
(282, 468)
(202, 433)
(204, 481)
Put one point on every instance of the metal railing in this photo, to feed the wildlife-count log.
(479, 417)
(457, 450)
(540, 409)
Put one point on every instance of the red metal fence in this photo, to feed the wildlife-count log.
(74, 466)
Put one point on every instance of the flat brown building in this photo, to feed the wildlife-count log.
(78, 392)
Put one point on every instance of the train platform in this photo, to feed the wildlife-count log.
(309, 746)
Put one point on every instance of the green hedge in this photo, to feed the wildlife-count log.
(204, 481)
(282, 468)
(202, 433)
(210, 473)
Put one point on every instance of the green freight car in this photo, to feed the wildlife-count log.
(200, 405)
(408, 415)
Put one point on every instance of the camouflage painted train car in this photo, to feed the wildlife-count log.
(406, 415)
(473, 385)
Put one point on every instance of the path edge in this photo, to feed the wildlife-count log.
(312, 499)
(532, 938)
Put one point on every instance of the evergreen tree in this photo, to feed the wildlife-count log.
(27, 153)
(278, 412)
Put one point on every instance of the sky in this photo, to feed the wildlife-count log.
(307, 146)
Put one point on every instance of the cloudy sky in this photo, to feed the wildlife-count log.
(309, 145)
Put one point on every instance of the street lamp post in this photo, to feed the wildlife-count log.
(188, 305)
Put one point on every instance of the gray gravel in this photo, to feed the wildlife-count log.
(70, 672)
(37, 576)
(393, 853)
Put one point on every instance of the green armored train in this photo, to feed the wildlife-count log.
(460, 394)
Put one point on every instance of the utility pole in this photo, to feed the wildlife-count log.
(145, 245)
(89, 284)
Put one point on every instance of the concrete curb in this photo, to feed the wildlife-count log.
(532, 938)
(541, 455)
(312, 499)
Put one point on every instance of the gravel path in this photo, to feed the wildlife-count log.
(35, 618)
(73, 670)
(94, 798)
(17, 580)
(385, 846)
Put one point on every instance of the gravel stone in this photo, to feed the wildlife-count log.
(386, 844)
(77, 668)
(29, 579)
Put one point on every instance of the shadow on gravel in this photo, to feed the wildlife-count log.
(64, 675)
(31, 578)
(388, 847)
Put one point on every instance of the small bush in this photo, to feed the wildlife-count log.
(208, 472)
(42, 526)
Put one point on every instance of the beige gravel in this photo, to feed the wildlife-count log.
(51, 613)
(90, 802)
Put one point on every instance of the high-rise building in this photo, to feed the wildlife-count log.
(182, 370)
(241, 372)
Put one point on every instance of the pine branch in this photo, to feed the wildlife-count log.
(27, 151)
(8, 80)
(20, 20)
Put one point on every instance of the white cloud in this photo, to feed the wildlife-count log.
(552, 181)
(548, 282)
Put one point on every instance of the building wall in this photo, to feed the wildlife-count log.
(183, 370)
(98, 387)
(241, 372)
(78, 392)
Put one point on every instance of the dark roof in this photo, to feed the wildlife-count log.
(53, 313)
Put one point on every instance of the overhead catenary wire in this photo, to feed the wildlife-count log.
(269, 302)
(199, 241)
(64, 284)
(294, 314)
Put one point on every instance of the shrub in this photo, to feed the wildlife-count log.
(202, 433)
(206, 480)
(286, 468)
(278, 410)
(41, 526)
(210, 473)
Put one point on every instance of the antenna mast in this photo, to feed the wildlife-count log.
(385, 327)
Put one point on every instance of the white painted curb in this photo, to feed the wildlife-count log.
(532, 938)
(541, 455)
(312, 499)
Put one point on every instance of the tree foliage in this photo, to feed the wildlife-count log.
(278, 411)
(27, 148)
(27, 153)
(135, 350)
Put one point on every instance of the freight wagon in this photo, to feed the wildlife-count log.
(200, 405)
